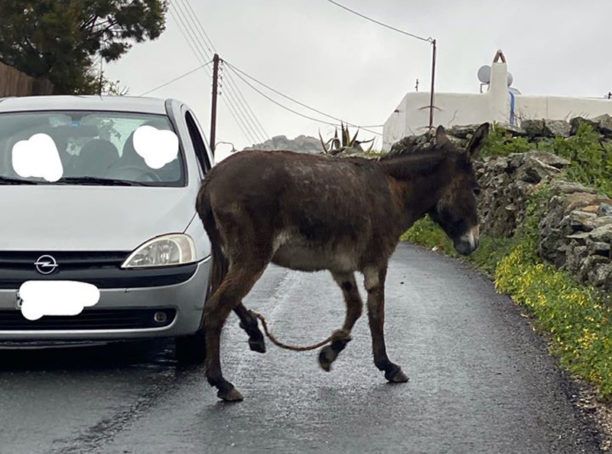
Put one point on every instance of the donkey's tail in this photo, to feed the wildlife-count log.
(219, 261)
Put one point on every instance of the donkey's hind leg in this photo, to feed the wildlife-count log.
(354, 307)
(235, 286)
(248, 322)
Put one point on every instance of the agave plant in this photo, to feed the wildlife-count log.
(345, 142)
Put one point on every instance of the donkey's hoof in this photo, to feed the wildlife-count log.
(327, 356)
(230, 395)
(258, 345)
(396, 375)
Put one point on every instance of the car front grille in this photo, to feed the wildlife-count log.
(102, 269)
(94, 319)
(67, 260)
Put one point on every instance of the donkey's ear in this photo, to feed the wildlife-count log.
(477, 141)
(441, 137)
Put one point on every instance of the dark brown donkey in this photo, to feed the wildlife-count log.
(313, 212)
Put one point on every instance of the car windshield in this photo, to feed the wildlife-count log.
(89, 148)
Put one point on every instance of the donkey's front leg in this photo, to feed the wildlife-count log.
(248, 322)
(375, 286)
(354, 307)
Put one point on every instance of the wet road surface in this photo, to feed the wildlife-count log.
(480, 380)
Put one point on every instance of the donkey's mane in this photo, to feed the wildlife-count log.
(420, 160)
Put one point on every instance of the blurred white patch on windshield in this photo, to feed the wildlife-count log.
(40, 298)
(156, 147)
(37, 157)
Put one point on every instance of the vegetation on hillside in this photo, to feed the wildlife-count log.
(590, 157)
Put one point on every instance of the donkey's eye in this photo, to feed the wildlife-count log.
(476, 191)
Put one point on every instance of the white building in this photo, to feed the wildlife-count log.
(498, 104)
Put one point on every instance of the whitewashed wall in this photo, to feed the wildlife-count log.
(412, 114)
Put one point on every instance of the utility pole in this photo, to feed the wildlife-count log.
(213, 106)
(433, 77)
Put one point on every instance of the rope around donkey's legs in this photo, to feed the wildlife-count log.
(336, 335)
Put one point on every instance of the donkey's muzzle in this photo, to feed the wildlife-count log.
(468, 242)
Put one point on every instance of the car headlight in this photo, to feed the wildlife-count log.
(166, 250)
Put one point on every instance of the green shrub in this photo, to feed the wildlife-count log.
(591, 158)
(501, 143)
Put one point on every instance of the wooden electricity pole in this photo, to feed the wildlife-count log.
(213, 106)
(433, 78)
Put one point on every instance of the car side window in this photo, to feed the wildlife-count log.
(198, 143)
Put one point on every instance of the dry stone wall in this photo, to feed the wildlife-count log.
(576, 231)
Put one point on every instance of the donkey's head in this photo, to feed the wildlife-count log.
(456, 210)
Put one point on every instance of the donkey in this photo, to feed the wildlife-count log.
(314, 212)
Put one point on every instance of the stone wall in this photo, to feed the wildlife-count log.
(576, 231)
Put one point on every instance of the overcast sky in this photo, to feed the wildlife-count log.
(350, 68)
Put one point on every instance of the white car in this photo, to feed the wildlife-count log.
(100, 192)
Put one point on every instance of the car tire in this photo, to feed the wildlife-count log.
(190, 350)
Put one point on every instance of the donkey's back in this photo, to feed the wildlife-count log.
(305, 212)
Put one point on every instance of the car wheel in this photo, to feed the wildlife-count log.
(191, 349)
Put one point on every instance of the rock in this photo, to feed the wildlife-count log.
(602, 234)
(578, 200)
(462, 132)
(601, 276)
(546, 128)
(580, 221)
(537, 165)
(574, 258)
(302, 144)
(589, 264)
(407, 143)
(577, 121)
(605, 209)
(567, 187)
(590, 209)
(535, 128)
(558, 128)
(602, 220)
(515, 131)
(604, 124)
(599, 248)
(549, 159)
(581, 237)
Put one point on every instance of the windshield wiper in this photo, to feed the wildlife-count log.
(99, 181)
(9, 180)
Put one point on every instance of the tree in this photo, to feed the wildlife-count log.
(61, 39)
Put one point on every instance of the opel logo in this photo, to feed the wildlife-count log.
(45, 264)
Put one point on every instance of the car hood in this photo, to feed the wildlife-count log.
(90, 218)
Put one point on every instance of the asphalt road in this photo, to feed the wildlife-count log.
(480, 380)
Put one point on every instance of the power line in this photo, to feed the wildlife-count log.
(192, 38)
(234, 95)
(428, 40)
(201, 54)
(234, 86)
(289, 108)
(241, 73)
(176, 78)
(250, 115)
